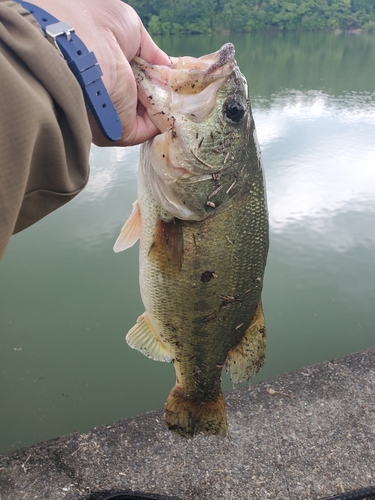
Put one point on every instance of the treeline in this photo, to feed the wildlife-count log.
(215, 16)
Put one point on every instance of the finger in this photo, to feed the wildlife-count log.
(145, 129)
(142, 130)
(150, 52)
(134, 39)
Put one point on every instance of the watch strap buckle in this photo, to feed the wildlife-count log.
(54, 30)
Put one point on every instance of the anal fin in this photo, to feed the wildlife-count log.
(144, 339)
(247, 358)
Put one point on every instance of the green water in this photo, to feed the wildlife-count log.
(67, 301)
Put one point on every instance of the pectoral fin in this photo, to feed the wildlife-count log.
(131, 230)
(247, 358)
(168, 246)
(144, 338)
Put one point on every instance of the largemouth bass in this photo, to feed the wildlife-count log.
(201, 217)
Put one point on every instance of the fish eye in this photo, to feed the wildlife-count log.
(234, 110)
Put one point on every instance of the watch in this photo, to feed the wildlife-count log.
(85, 68)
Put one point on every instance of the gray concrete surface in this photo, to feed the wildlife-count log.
(303, 435)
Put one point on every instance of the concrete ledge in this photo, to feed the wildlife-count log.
(313, 438)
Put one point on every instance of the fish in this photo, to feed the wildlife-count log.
(202, 221)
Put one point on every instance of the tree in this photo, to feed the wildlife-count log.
(204, 16)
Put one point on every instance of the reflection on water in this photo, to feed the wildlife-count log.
(67, 300)
(112, 182)
(310, 104)
(320, 157)
(106, 167)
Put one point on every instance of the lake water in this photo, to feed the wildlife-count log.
(67, 301)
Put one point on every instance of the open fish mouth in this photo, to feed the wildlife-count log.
(187, 87)
(188, 102)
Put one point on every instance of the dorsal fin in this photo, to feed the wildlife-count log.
(131, 231)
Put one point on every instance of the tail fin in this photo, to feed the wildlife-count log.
(188, 418)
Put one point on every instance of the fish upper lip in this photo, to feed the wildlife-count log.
(225, 54)
(211, 61)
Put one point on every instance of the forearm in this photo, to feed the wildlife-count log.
(44, 128)
(44, 133)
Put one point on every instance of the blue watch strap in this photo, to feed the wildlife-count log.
(84, 66)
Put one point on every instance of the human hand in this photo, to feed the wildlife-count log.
(115, 33)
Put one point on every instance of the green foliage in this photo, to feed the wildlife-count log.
(206, 16)
(156, 26)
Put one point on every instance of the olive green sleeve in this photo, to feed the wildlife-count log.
(44, 132)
